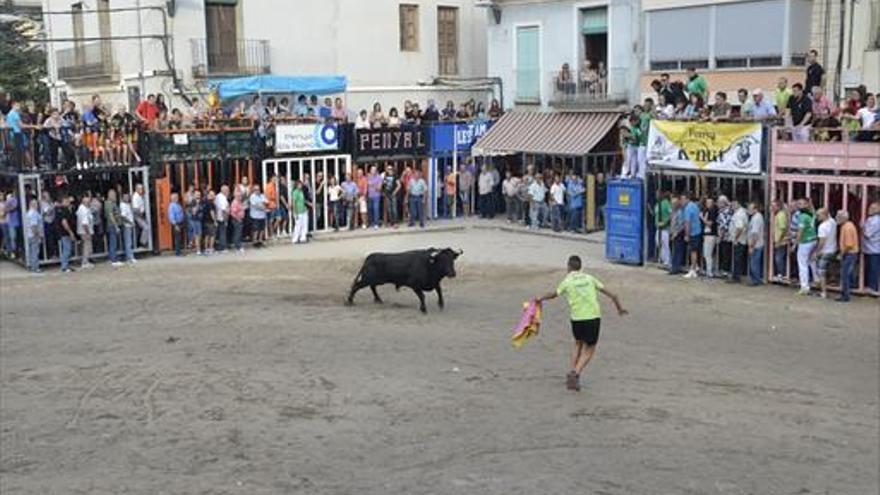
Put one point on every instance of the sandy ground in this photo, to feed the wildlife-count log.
(275, 387)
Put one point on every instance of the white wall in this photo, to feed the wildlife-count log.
(356, 38)
(560, 42)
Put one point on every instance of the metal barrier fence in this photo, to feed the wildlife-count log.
(838, 174)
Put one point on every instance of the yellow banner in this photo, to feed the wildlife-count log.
(723, 147)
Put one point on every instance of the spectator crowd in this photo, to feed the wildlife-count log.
(714, 236)
(33, 136)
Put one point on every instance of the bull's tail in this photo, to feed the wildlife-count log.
(354, 285)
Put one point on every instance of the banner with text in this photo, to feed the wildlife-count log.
(704, 146)
(297, 138)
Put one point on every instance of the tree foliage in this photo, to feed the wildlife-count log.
(22, 59)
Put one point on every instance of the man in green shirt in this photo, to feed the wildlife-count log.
(644, 128)
(805, 243)
(580, 289)
(780, 240)
(300, 213)
(662, 213)
(696, 84)
(783, 93)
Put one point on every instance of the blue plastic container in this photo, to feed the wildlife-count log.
(624, 221)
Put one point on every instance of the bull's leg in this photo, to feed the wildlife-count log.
(421, 295)
(356, 286)
(376, 297)
(439, 296)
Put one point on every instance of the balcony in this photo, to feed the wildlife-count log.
(235, 58)
(91, 62)
(576, 92)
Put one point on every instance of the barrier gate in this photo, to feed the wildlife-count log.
(96, 181)
(842, 174)
(296, 168)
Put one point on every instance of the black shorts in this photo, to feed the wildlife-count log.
(586, 331)
(695, 244)
(259, 224)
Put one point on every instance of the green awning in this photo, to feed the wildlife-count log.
(595, 21)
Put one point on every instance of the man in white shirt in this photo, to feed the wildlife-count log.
(258, 215)
(510, 188)
(826, 249)
(868, 114)
(537, 206)
(756, 244)
(557, 195)
(740, 238)
(485, 184)
(221, 213)
(85, 229)
(139, 208)
(127, 216)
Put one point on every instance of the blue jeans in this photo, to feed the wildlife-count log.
(66, 251)
(375, 211)
(756, 266)
(847, 274)
(556, 217)
(221, 236)
(679, 254)
(416, 210)
(780, 258)
(872, 271)
(112, 243)
(128, 241)
(237, 228)
(575, 219)
(33, 259)
(9, 233)
(391, 204)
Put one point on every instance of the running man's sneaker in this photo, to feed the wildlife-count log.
(571, 381)
(803, 292)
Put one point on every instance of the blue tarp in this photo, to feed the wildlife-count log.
(308, 85)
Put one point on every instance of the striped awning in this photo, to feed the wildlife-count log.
(546, 133)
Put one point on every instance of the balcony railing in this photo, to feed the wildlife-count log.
(241, 57)
(86, 61)
(581, 90)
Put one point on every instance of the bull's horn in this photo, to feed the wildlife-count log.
(460, 252)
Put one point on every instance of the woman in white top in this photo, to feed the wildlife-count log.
(393, 118)
(334, 196)
(362, 122)
(377, 118)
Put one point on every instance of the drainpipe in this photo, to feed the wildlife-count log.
(140, 48)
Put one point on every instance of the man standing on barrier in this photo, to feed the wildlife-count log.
(85, 229)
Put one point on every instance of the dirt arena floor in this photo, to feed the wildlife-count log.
(247, 375)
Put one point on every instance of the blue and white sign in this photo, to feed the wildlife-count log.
(298, 138)
(464, 134)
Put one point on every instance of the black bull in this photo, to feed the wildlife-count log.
(420, 270)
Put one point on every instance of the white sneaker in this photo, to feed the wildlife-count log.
(88, 265)
(690, 274)
(117, 264)
(241, 251)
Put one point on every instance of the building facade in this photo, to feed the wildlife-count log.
(751, 44)
(529, 42)
(390, 50)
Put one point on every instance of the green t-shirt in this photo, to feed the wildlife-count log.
(635, 136)
(299, 201)
(807, 226)
(644, 126)
(782, 97)
(661, 213)
(581, 291)
(698, 85)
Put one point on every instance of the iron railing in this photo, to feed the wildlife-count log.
(241, 57)
(582, 90)
(86, 61)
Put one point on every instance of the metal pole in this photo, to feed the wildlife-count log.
(454, 170)
(140, 49)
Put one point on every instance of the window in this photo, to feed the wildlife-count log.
(447, 40)
(409, 28)
(749, 29)
(670, 41)
(528, 68)
(78, 33)
(221, 32)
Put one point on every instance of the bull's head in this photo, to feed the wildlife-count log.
(444, 259)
